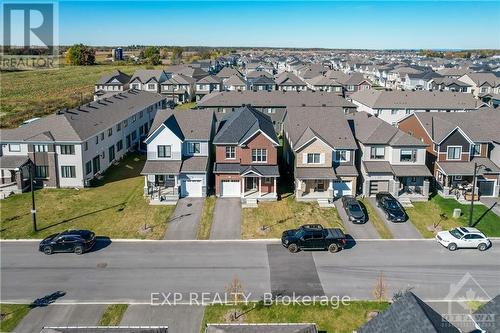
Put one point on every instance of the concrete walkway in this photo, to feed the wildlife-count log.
(357, 231)
(493, 203)
(185, 219)
(178, 318)
(60, 315)
(227, 219)
(404, 230)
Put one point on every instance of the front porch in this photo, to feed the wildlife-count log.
(161, 189)
(261, 188)
(412, 188)
(313, 189)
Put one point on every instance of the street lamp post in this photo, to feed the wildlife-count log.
(471, 208)
(33, 208)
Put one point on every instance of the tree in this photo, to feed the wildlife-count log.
(176, 55)
(152, 55)
(380, 288)
(235, 291)
(80, 55)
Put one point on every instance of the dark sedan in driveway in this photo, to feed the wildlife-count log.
(76, 241)
(353, 209)
(391, 207)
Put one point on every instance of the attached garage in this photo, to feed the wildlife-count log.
(192, 188)
(230, 188)
(341, 188)
(378, 186)
(486, 188)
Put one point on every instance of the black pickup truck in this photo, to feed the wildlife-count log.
(313, 236)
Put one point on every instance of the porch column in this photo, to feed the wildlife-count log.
(146, 189)
(244, 185)
(274, 187)
(395, 189)
(176, 188)
(330, 188)
(425, 190)
(260, 186)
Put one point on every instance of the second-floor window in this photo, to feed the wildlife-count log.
(259, 155)
(41, 148)
(341, 156)
(110, 131)
(118, 127)
(377, 153)
(313, 158)
(135, 86)
(408, 155)
(454, 153)
(151, 86)
(194, 148)
(14, 147)
(475, 150)
(67, 150)
(230, 153)
(164, 151)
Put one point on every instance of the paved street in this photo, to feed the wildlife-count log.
(131, 271)
(227, 219)
(185, 219)
(357, 231)
(405, 230)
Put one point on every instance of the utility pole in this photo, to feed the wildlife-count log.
(471, 208)
(33, 208)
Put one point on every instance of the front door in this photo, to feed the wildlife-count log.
(250, 183)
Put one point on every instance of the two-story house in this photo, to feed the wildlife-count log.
(456, 142)
(246, 164)
(390, 160)
(262, 83)
(112, 83)
(235, 83)
(179, 88)
(290, 82)
(206, 85)
(148, 79)
(73, 146)
(323, 83)
(320, 149)
(178, 155)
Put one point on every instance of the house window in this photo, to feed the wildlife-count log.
(102, 136)
(457, 177)
(454, 153)
(394, 111)
(135, 86)
(14, 147)
(86, 146)
(230, 153)
(88, 167)
(119, 145)
(268, 180)
(118, 127)
(141, 114)
(134, 135)
(259, 155)
(68, 171)
(341, 156)
(151, 86)
(110, 131)
(134, 118)
(125, 123)
(164, 151)
(41, 171)
(377, 153)
(476, 150)
(67, 150)
(194, 148)
(111, 153)
(313, 158)
(40, 148)
(408, 155)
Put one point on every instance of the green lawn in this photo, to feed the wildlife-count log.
(425, 214)
(285, 214)
(344, 319)
(113, 315)
(11, 315)
(37, 93)
(115, 207)
(207, 217)
(186, 106)
(377, 222)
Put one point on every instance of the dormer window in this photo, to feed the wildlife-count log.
(341, 156)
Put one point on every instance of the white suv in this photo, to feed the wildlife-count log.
(463, 237)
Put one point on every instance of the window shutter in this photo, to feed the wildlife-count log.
(322, 158)
(304, 158)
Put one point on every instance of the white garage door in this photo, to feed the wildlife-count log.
(191, 188)
(341, 188)
(230, 188)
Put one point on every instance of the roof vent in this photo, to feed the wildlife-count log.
(303, 104)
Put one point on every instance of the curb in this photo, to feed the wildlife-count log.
(258, 240)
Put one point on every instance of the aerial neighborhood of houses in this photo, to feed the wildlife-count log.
(335, 124)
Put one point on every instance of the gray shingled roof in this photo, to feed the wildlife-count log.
(118, 75)
(371, 130)
(161, 167)
(195, 164)
(261, 328)
(145, 75)
(264, 170)
(242, 124)
(408, 314)
(327, 123)
(83, 122)
(454, 168)
(315, 173)
(193, 124)
(12, 161)
(274, 99)
(488, 315)
(235, 80)
(377, 167)
(420, 99)
(346, 170)
(411, 170)
(212, 79)
(103, 329)
(289, 79)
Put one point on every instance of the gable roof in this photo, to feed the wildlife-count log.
(261, 328)
(118, 75)
(242, 124)
(326, 123)
(408, 314)
(187, 124)
(227, 72)
(289, 79)
(210, 79)
(235, 80)
(145, 75)
(85, 121)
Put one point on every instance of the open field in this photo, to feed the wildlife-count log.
(37, 93)
(425, 214)
(346, 318)
(115, 208)
(11, 315)
(285, 214)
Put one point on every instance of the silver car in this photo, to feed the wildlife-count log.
(463, 237)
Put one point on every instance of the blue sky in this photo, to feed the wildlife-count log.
(328, 24)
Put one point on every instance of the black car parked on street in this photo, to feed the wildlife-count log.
(391, 207)
(353, 209)
(77, 241)
(313, 237)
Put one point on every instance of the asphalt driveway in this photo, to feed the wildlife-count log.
(405, 230)
(227, 219)
(178, 318)
(185, 219)
(357, 231)
(60, 315)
